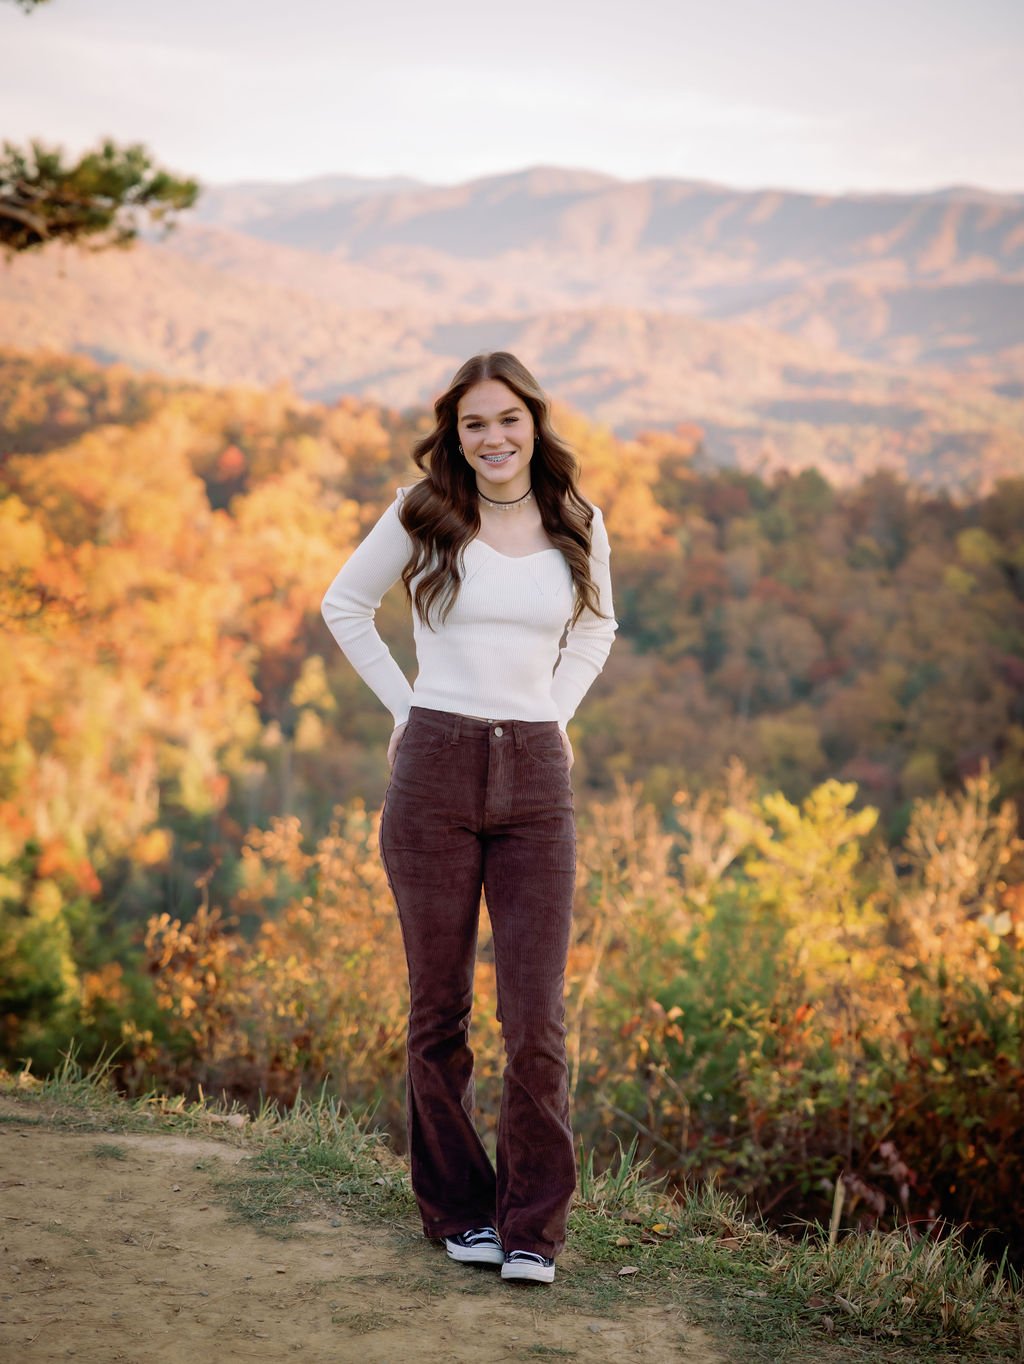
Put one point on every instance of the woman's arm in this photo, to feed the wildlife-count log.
(589, 641)
(353, 597)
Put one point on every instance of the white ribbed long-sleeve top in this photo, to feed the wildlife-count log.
(497, 655)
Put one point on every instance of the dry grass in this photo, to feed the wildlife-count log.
(871, 1297)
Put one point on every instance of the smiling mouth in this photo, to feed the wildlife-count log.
(499, 458)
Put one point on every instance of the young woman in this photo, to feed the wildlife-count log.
(506, 567)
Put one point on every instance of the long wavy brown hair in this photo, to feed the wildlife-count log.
(442, 511)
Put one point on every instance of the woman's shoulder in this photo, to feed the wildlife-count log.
(390, 524)
(599, 545)
(589, 503)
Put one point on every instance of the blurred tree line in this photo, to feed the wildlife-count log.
(800, 920)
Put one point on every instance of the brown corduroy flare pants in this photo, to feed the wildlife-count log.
(485, 803)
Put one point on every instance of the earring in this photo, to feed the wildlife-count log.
(461, 451)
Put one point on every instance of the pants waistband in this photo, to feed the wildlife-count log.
(456, 724)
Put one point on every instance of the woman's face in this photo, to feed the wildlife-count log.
(496, 432)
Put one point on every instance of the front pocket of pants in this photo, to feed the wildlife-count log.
(422, 745)
(423, 742)
(546, 751)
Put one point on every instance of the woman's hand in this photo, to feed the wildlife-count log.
(396, 739)
(567, 747)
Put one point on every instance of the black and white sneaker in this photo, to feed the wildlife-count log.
(527, 1264)
(479, 1246)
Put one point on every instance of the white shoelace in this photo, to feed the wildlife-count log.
(480, 1234)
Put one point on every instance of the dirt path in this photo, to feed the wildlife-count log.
(107, 1260)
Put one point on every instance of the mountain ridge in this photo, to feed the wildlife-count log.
(553, 206)
(794, 328)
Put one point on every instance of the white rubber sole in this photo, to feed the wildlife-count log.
(536, 1273)
(476, 1255)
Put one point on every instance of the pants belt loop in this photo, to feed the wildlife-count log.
(517, 730)
(456, 730)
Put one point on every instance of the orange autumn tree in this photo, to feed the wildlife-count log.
(129, 689)
(316, 989)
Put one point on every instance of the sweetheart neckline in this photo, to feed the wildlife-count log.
(552, 549)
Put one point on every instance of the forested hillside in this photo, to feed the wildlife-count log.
(840, 333)
(873, 634)
(798, 940)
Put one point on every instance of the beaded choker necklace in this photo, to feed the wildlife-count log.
(506, 506)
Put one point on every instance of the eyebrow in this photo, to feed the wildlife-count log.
(467, 416)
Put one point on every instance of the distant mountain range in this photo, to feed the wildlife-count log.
(795, 328)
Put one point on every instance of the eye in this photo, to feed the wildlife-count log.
(511, 419)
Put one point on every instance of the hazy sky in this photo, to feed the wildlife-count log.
(827, 95)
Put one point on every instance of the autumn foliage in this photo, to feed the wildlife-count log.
(761, 998)
(797, 952)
